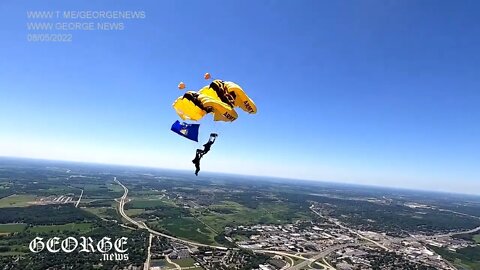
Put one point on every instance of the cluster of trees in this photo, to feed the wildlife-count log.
(220, 239)
(242, 259)
(252, 260)
(160, 244)
(390, 260)
(163, 211)
(44, 214)
(467, 256)
(464, 236)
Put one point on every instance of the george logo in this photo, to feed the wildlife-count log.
(111, 250)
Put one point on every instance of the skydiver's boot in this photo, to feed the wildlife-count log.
(213, 134)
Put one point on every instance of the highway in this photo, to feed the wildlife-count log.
(433, 237)
(288, 264)
(320, 255)
(458, 213)
(79, 199)
(324, 261)
(464, 232)
(285, 254)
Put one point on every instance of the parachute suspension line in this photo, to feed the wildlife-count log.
(215, 127)
(219, 127)
(203, 134)
(207, 127)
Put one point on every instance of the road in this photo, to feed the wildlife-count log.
(325, 262)
(458, 213)
(465, 232)
(146, 265)
(79, 199)
(172, 263)
(433, 237)
(319, 256)
(285, 254)
(288, 264)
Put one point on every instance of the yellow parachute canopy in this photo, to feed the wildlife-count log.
(231, 94)
(241, 99)
(187, 109)
(194, 106)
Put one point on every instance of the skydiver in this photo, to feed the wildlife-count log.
(200, 153)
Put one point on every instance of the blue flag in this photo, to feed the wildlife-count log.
(189, 131)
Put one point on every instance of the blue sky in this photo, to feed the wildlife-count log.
(368, 92)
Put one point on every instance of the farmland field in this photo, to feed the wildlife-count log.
(12, 227)
(17, 200)
(70, 227)
(476, 238)
(187, 228)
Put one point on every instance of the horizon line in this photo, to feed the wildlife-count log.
(244, 175)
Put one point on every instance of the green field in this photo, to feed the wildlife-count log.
(12, 227)
(464, 258)
(476, 238)
(17, 200)
(230, 213)
(114, 187)
(134, 212)
(90, 187)
(187, 228)
(12, 248)
(146, 204)
(70, 227)
(103, 212)
(162, 263)
(11, 253)
(185, 262)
